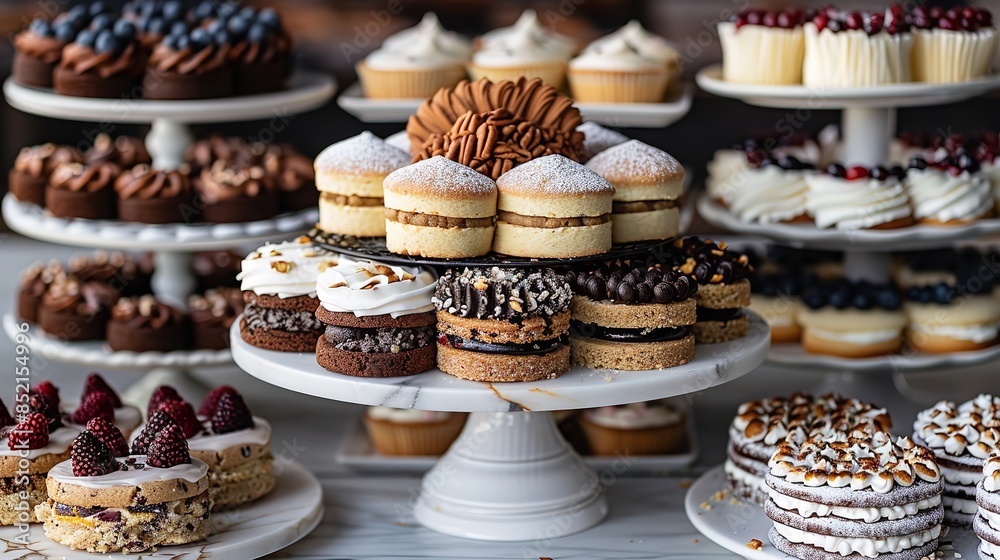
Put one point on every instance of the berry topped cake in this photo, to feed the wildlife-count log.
(851, 319)
(98, 400)
(851, 198)
(948, 190)
(952, 45)
(763, 47)
(852, 49)
(104, 60)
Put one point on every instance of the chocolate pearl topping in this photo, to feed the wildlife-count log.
(632, 283)
(509, 294)
(710, 263)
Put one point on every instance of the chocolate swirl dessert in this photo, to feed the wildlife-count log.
(261, 54)
(629, 316)
(35, 281)
(189, 65)
(211, 315)
(105, 60)
(120, 272)
(74, 311)
(293, 176)
(143, 324)
(37, 51)
(32, 167)
(123, 151)
(230, 194)
(76, 190)
(503, 324)
(203, 153)
(724, 288)
(153, 196)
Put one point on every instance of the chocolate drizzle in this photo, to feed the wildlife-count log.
(626, 283)
(506, 294)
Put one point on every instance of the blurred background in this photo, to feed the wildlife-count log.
(333, 35)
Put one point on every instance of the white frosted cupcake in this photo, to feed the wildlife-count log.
(761, 47)
(397, 431)
(630, 65)
(852, 49)
(951, 46)
(858, 198)
(945, 194)
(525, 49)
(414, 63)
(651, 428)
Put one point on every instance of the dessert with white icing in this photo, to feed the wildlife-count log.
(856, 49)
(407, 431)
(763, 47)
(526, 49)
(852, 198)
(987, 522)
(630, 65)
(954, 45)
(948, 191)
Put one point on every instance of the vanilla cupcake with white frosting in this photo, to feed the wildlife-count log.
(858, 198)
(415, 63)
(630, 65)
(773, 191)
(406, 431)
(650, 428)
(948, 193)
(525, 49)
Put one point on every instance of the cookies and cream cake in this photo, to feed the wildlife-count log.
(987, 523)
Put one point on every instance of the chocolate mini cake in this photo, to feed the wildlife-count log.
(723, 288)
(104, 60)
(37, 53)
(35, 281)
(82, 191)
(632, 317)
(503, 324)
(143, 324)
(262, 51)
(293, 176)
(151, 196)
(235, 194)
(74, 311)
(211, 314)
(189, 65)
(854, 495)
(987, 524)
(203, 153)
(32, 168)
(124, 151)
(214, 269)
(122, 273)
(379, 320)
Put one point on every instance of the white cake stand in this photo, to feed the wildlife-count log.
(510, 476)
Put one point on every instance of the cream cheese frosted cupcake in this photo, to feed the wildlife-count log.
(406, 431)
(415, 63)
(647, 428)
(762, 47)
(349, 176)
(856, 49)
(858, 198)
(525, 49)
(851, 320)
(987, 523)
(630, 65)
(954, 45)
(951, 191)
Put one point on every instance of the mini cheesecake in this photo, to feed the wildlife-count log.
(851, 320)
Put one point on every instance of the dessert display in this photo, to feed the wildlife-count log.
(524, 50)
(39, 48)
(144, 324)
(190, 64)
(76, 311)
(953, 45)
(98, 400)
(756, 35)
(961, 437)
(378, 319)
(105, 59)
(770, 191)
(230, 194)
(852, 198)
(948, 191)
(856, 49)
(124, 151)
(32, 168)
(35, 281)
(649, 428)
(501, 324)
(723, 288)
(987, 523)
(632, 317)
(774, 296)
(395, 431)
(279, 287)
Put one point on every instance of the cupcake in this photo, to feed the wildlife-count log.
(152, 196)
(38, 49)
(439, 208)
(279, 287)
(951, 191)
(851, 320)
(153, 20)
(201, 154)
(596, 138)
(211, 315)
(124, 151)
(35, 281)
(498, 325)
(856, 49)
(553, 207)
(647, 428)
(648, 186)
(723, 288)
(396, 431)
(379, 320)
(229, 193)
(189, 65)
(104, 60)
(631, 317)
(261, 53)
(629, 66)
(858, 198)
(293, 177)
(761, 47)
(524, 50)
(415, 63)
(75, 311)
(953, 45)
(143, 324)
(349, 176)
(32, 167)
(76, 190)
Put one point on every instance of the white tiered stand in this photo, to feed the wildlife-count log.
(868, 120)
(172, 244)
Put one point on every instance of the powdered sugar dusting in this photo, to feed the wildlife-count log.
(556, 175)
(638, 162)
(596, 138)
(362, 154)
(440, 175)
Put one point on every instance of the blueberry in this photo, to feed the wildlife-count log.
(269, 18)
(257, 34)
(205, 10)
(227, 10)
(178, 28)
(157, 27)
(898, 172)
(86, 38)
(879, 173)
(918, 163)
(862, 300)
(65, 31)
(943, 294)
(76, 12)
(889, 299)
(200, 38)
(970, 164)
(763, 163)
(839, 298)
(836, 170)
(238, 26)
(172, 10)
(102, 22)
(183, 42)
(216, 26)
(814, 296)
(124, 30)
(248, 12)
(97, 8)
(913, 293)
(106, 42)
(40, 27)
(926, 294)
(789, 162)
(170, 41)
(147, 10)
(222, 37)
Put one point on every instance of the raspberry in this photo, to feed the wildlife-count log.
(110, 435)
(156, 423)
(231, 415)
(96, 383)
(30, 433)
(91, 457)
(162, 394)
(94, 405)
(168, 448)
(183, 415)
(41, 404)
(207, 408)
(5, 418)
(49, 390)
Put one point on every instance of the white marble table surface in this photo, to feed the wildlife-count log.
(368, 517)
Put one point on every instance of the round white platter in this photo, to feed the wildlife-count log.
(32, 221)
(639, 115)
(793, 355)
(912, 238)
(96, 354)
(733, 523)
(305, 91)
(280, 519)
(714, 364)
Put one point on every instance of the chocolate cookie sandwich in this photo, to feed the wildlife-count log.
(379, 320)
(851, 319)
(439, 208)
(553, 207)
(349, 177)
(37, 50)
(962, 437)
(279, 287)
(32, 167)
(648, 186)
(144, 324)
(104, 60)
(151, 196)
(105, 500)
(76, 190)
(35, 281)
(211, 315)
(987, 523)
(761, 425)
(627, 316)
(231, 193)
(503, 324)
(293, 176)
(76, 311)
(854, 495)
(723, 288)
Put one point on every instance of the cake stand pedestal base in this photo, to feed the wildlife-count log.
(867, 132)
(510, 476)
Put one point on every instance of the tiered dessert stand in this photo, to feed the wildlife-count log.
(867, 124)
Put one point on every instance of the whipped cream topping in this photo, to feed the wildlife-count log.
(60, 441)
(771, 421)
(191, 472)
(993, 519)
(856, 460)
(429, 25)
(859, 204)
(973, 333)
(871, 548)
(631, 48)
(406, 415)
(369, 288)
(991, 473)
(867, 514)
(427, 48)
(727, 172)
(860, 338)
(205, 440)
(769, 194)
(635, 416)
(528, 29)
(746, 478)
(941, 196)
(287, 269)
(969, 429)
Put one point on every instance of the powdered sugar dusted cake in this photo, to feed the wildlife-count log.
(987, 523)
(854, 495)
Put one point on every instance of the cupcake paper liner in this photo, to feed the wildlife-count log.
(594, 86)
(406, 84)
(942, 57)
(417, 438)
(761, 55)
(660, 440)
